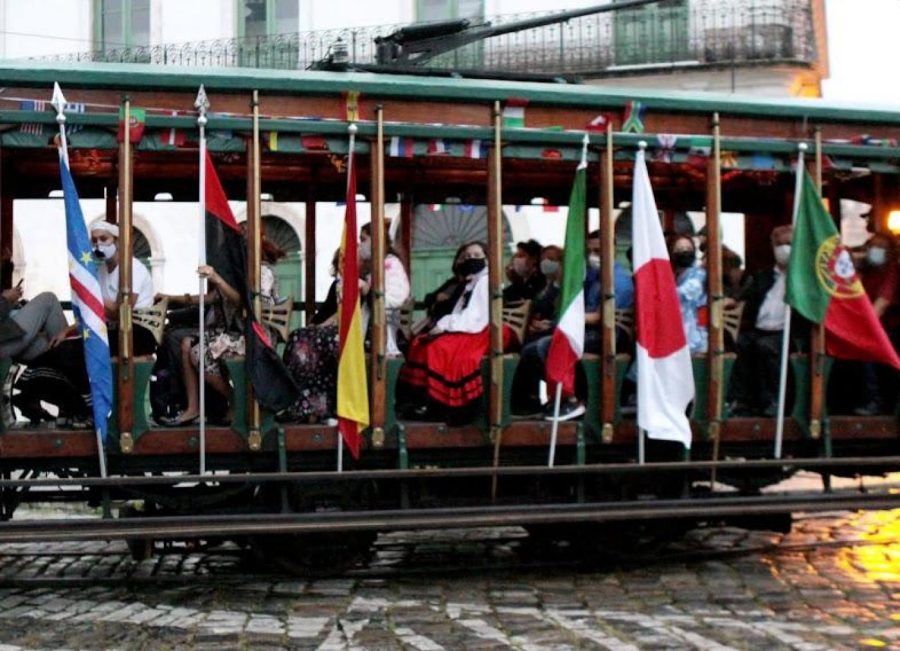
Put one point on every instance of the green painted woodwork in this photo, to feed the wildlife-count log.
(287, 82)
(141, 409)
(430, 268)
(289, 271)
(591, 367)
(799, 364)
(700, 412)
(239, 409)
(656, 33)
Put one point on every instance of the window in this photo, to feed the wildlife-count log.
(655, 33)
(432, 10)
(268, 17)
(121, 24)
(466, 57)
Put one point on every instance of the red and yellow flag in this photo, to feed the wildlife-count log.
(352, 387)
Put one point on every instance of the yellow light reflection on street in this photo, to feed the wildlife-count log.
(878, 561)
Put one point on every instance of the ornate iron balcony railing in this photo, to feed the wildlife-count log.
(685, 32)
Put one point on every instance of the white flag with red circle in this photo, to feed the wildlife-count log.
(665, 377)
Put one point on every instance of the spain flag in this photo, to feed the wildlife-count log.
(352, 386)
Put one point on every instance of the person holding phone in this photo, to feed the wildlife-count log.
(30, 329)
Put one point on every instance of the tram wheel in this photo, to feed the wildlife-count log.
(313, 555)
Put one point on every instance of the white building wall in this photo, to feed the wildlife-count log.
(44, 27)
(197, 20)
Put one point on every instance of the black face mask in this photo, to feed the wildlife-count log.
(472, 266)
(683, 259)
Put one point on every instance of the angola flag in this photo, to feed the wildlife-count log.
(226, 252)
(567, 344)
(822, 285)
(352, 386)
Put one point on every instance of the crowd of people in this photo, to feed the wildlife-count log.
(441, 378)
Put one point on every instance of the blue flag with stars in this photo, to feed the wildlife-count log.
(87, 304)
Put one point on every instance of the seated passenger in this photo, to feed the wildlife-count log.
(33, 328)
(526, 384)
(223, 339)
(545, 305)
(880, 276)
(524, 273)
(732, 266)
(59, 376)
(442, 375)
(311, 356)
(440, 302)
(396, 286)
(754, 386)
(690, 283)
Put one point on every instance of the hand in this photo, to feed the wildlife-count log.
(541, 325)
(363, 287)
(434, 332)
(12, 295)
(58, 338)
(206, 271)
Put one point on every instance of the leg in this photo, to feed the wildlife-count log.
(191, 381)
(41, 318)
(768, 355)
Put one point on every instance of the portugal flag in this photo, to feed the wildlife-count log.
(352, 388)
(665, 377)
(822, 285)
(567, 345)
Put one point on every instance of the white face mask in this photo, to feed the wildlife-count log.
(594, 261)
(365, 250)
(549, 267)
(782, 254)
(105, 250)
(876, 256)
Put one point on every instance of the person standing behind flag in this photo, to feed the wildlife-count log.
(754, 386)
(690, 283)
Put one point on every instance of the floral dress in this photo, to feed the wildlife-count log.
(226, 339)
(691, 288)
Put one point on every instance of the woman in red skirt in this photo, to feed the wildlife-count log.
(442, 375)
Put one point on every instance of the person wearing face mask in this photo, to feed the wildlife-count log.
(396, 285)
(440, 302)
(59, 376)
(441, 378)
(880, 277)
(544, 306)
(690, 283)
(526, 279)
(754, 386)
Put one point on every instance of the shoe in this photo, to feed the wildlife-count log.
(568, 410)
(31, 408)
(177, 422)
(871, 408)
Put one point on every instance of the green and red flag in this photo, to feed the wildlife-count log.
(136, 124)
(822, 285)
(567, 344)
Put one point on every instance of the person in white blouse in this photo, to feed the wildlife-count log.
(442, 375)
(396, 287)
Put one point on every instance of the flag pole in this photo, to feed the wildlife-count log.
(202, 104)
(351, 129)
(786, 336)
(59, 102)
(554, 430)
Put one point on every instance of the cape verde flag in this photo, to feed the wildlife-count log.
(87, 303)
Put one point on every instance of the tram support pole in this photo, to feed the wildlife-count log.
(495, 281)
(125, 403)
(817, 426)
(254, 259)
(377, 362)
(716, 349)
(309, 253)
(607, 278)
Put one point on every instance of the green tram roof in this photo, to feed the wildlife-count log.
(760, 135)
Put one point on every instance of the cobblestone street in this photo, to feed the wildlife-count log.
(833, 583)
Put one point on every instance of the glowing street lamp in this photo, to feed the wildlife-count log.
(893, 222)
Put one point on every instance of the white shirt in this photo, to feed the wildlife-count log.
(772, 311)
(472, 316)
(141, 283)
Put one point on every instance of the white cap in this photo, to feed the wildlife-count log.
(103, 225)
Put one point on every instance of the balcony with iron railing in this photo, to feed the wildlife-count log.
(674, 33)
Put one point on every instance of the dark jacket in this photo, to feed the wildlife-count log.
(753, 296)
(525, 290)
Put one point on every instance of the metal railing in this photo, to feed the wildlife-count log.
(691, 32)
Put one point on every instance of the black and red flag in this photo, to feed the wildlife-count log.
(226, 252)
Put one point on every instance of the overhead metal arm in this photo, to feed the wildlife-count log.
(417, 44)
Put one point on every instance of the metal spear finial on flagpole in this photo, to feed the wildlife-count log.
(202, 105)
(584, 148)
